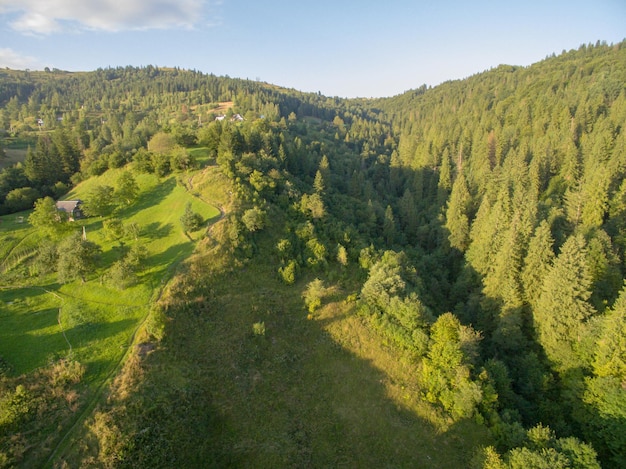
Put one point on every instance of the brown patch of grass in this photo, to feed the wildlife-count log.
(225, 106)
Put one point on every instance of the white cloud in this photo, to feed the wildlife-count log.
(50, 16)
(11, 59)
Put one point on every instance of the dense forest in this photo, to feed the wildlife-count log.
(477, 229)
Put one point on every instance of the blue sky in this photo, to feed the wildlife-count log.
(341, 48)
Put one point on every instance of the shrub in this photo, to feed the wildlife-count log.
(258, 328)
(288, 272)
(313, 295)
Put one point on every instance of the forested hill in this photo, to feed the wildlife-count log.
(477, 229)
(522, 170)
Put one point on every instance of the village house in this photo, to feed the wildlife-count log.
(234, 118)
(73, 208)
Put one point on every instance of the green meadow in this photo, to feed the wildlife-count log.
(42, 320)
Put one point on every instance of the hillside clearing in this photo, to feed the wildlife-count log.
(91, 322)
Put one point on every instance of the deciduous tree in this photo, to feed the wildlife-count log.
(77, 258)
(100, 201)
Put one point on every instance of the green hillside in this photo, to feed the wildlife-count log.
(430, 280)
(89, 324)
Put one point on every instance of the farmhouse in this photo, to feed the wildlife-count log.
(234, 118)
(71, 207)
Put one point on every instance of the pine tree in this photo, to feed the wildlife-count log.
(389, 226)
(318, 183)
(537, 263)
(488, 230)
(445, 172)
(409, 213)
(190, 220)
(457, 221)
(610, 356)
(596, 197)
(563, 307)
(602, 414)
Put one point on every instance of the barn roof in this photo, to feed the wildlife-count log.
(68, 205)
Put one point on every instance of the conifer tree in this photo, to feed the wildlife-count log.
(389, 226)
(596, 197)
(409, 213)
(537, 262)
(563, 307)
(488, 229)
(318, 183)
(457, 221)
(610, 356)
(445, 172)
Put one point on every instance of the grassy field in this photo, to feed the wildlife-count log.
(44, 319)
(244, 376)
(15, 150)
(93, 322)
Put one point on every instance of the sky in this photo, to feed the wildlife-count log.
(365, 48)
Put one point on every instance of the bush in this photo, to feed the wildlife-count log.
(46, 259)
(258, 328)
(288, 272)
(253, 219)
(15, 407)
(313, 295)
(155, 324)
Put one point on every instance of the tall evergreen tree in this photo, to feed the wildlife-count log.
(563, 308)
(457, 220)
(389, 226)
(537, 263)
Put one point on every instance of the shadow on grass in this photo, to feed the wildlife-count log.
(8, 297)
(27, 349)
(155, 267)
(156, 230)
(291, 396)
(209, 221)
(16, 224)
